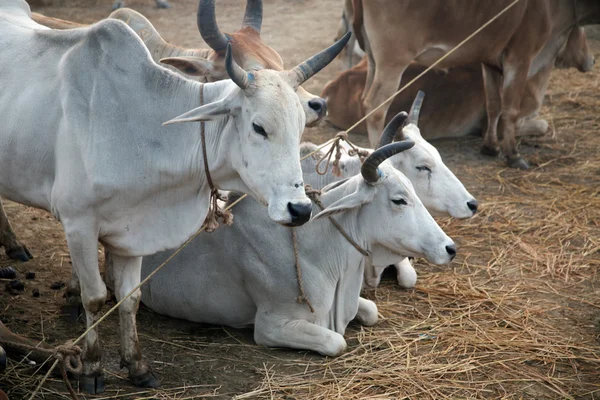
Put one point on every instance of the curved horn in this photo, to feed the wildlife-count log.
(390, 130)
(207, 25)
(369, 169)
(235, 72)
(415, 109)
(303, 71)
(253, 15)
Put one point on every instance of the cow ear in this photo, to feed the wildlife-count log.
(195, 66)
(362, 195)
(207, 112)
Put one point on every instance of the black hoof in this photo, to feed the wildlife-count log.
(20, 254)
(163, 5)
(92, 384)
(518, 162)
(147, 380)
(2, 359)
(489, 151)
(73, 311)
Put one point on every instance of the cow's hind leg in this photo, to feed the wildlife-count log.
(83, 246)
(8, 240)
(126, 273)
(274, 330)
(492, 81)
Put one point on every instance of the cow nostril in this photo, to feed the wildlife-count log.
(319, 106)
(451, 249)
(300, 213)
(472, 205)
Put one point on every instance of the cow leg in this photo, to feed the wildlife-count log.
(274, 330)
(73, 307)
(367, 312)
(406, 274)
(126, 272)
(118, 4)
(532, 127)
(492, 81)
(162, 4)
(372, 275)
(83, 246)
(8, 239)
(385, 82)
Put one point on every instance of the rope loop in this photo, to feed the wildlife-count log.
(70, 355)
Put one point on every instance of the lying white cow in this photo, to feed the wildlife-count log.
(442, 193)
(248, 268)
(82, 137)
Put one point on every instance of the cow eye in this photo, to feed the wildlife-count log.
(259, 129)
(424, 168)
(399, 202)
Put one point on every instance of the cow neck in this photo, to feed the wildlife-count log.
(214, 211)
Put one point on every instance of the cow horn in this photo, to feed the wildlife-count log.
(207, 25)
(303, 71)
(253, 15)
(369, 169)
(415, 109)
(235, 72)
(390, 130)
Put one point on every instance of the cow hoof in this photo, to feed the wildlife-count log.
(490, 151)
(2, 359)
(72, 311)
(147, 380)
(92, 384)
(20, 254)
(162, 4)
(518, 162)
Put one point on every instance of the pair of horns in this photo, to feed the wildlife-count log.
(385, 148)
(220, 43)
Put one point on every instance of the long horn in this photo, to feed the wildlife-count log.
(235, 72)
(207, 25)
(303, 71)
(369, 169)
(253, 15)
(390, 130)
(415, 109)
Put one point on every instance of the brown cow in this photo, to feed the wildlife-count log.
(455, 115)
(514, 48)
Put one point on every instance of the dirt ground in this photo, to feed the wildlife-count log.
(521, 299)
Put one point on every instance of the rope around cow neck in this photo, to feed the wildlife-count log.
(330, 141)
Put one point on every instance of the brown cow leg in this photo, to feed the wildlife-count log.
(515, 79)
(492, 81)
(8, 239)
(386, 80)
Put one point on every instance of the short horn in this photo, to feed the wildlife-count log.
(390, 130)
(253, 15)
(207, 25)
(235, 72)
(369, 169)
(304, 71)
(415, 109)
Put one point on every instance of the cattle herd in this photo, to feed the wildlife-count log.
(122, 135)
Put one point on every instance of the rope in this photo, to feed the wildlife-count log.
(338, 154)
(302, 298)
(110, 311)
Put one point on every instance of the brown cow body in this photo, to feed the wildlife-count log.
(513, 48)
(456, 105)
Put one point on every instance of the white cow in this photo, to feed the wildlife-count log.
(249, 267)
(82, 137)
(442, 193)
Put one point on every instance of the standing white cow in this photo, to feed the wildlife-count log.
(442, 193)
(249, 267)
(82, 138)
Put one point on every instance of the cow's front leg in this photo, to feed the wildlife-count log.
(367, 312)
(273, 330)
(492, 81)
(406, 274)
(83, 247)
(14, 249)
(126, 274)
(73, 308)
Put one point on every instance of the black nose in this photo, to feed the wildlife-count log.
(300, 213)
(472, 205)
(451, 250)
(319, 105)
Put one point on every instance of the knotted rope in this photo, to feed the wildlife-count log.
(215, 213)
(335, 146)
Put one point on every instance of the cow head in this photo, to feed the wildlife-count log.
(397, 223)
(249, 51)
(576, 53)
(267, 119)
